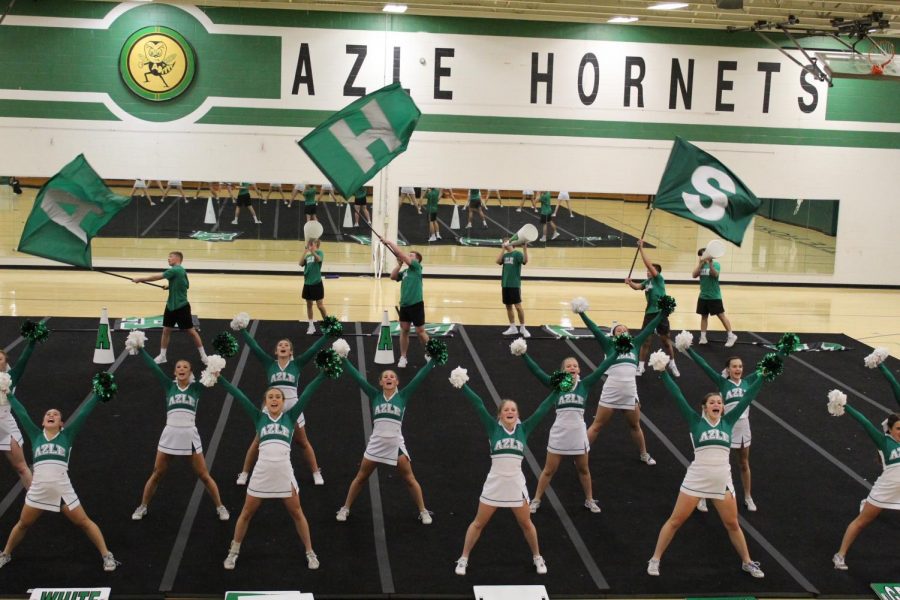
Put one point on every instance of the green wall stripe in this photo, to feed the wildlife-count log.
(869, 100)
(575, 128)
(63, 8)
(49, 109)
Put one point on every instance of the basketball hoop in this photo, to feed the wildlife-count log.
(878, 61)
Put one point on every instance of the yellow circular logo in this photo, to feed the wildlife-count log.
(157, 63)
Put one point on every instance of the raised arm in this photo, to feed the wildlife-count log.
(487, 420)
(536, 370)
(710, 372)
(31, 430)
(735, 413)
(591, 379)
(368, 389)
(76, 421)
(264, 357)
(306, 396)
(163, 379)
(649, 329)
(302, 360)
(874, 433)
(251, 409)
(650, 268)
(16, 372)
(686, 410)
(531, 422)
(605, 342)
(418, 379)
(882, 367)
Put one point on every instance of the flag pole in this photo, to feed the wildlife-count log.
(128, 278)
(636, 252)
(372, 229)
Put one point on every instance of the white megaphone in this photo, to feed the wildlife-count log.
(714, 249)
(525, 235)
(313, 230)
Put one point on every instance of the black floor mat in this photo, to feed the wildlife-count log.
(810, 472)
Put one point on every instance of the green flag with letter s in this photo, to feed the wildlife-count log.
(357, 142)
(696, 186)
(68, 212)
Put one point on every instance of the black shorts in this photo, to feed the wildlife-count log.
(546, 218)
(475, 203)
(180, 317)
(309, 209)
(432, 217)
(511, 295)
(414, 313)
(710, 307)
(313, 291)
(243, 200)
(662, 328)
(359, 201)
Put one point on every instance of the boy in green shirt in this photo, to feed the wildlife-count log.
(412, 306)
(511, 285)
(710, 300)
(547, 217)
(654, 288)
(313, 290)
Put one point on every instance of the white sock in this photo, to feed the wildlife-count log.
(162, 352)
(642, 365)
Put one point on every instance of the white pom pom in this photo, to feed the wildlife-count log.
(240, 321)
(836, 402)
(136, 340)
(214, 366)
(876, 358)
(579, 305)
(459, 376)
(5, 385)
(684, 340)
(658, 360)
(518, 347)
(341, 347)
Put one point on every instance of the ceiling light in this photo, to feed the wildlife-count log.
(395, 8)
(623, 20)
(668, 6)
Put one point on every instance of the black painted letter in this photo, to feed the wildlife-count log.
(588, 59)
(630, 81)
(537, 77)
(811, 90)
(676, 83)
(723, 85)
(440, 71)
(303, 64)
(768, 68)
(360, 52)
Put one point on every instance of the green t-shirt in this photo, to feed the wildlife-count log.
(512, 269)
(178, 287)
(244, 189)
(433, 196)
(546, 209)
(361, 194)
(312, 268)
(474, 194)
(309, 196)
(654, 289)
(411, 284)
(709, 285)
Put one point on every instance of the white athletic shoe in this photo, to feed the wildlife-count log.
(592, 505)
(160, 359)
(342, 514)
(484, 224)
(511, 330)
(555, 235)
(543, 238)
(317, 477)
(539, 565)
(524, 332)
(752, 567)
(729, 342)
(311, 329)
(425, 517)
(231, 560)
(646, 458)
(242, 478)
(223, 513)
(534, 505)
(109, 562)
(402, 362)
(701, 506)
(674, 369)
(751, 505)
(640, 370)
(837, 559)
(653, 567)
(461, 563)
(703, 341)
(234, 223)
(518, 210)
(139, 513)
(432, 238)
(5, 558)
(438, 236)
(312, 561)
(468, 226)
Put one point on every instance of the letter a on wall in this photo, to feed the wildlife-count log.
(360, 140)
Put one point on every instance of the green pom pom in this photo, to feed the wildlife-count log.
(666, 304)
(770, 366)
(562, 381)
(328, 361)
(105, 386)
(623, 343)
(437, 350)
(225, 344)
(788, 343)
(34, 332)
(331, 326)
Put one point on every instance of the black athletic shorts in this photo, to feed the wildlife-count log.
(309, 209)
(243, 200)
(710, 307)
(180, 317)
(414, 313)
(475, 203)
(662, 328)
(511, 295)
(432, 217)
(546, 218)
(313, 291)
(360, 201)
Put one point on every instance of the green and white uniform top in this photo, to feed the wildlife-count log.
(572, 402)
(274, 434)
(888, 447)
(709, 285)
(512, 269)
(654, 289)
(546, 207)
(411, 284)
(433, 197)
(711, 441)
(178, 287)
(287, 378)
(181, 403)
(731, 391)
(309, 196)
(387, 413)
(52, 453)
(625, 365)
(312, 268)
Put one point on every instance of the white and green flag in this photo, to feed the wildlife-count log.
(68, 212)
(696, 186)
(360, 140)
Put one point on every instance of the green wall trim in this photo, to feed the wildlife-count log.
(575, 128)
(49, 109)
(63, 8)
(868, 100)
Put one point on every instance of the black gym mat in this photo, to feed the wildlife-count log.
(810, 471)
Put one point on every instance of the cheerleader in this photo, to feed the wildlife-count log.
(386, 444)
(505, 483)
(11, 439)
(709, 474)
(283, 372)
(620, 390)
(180, 436)
(885, 493)
(51, 447)
(273, 476)
(568, 435)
